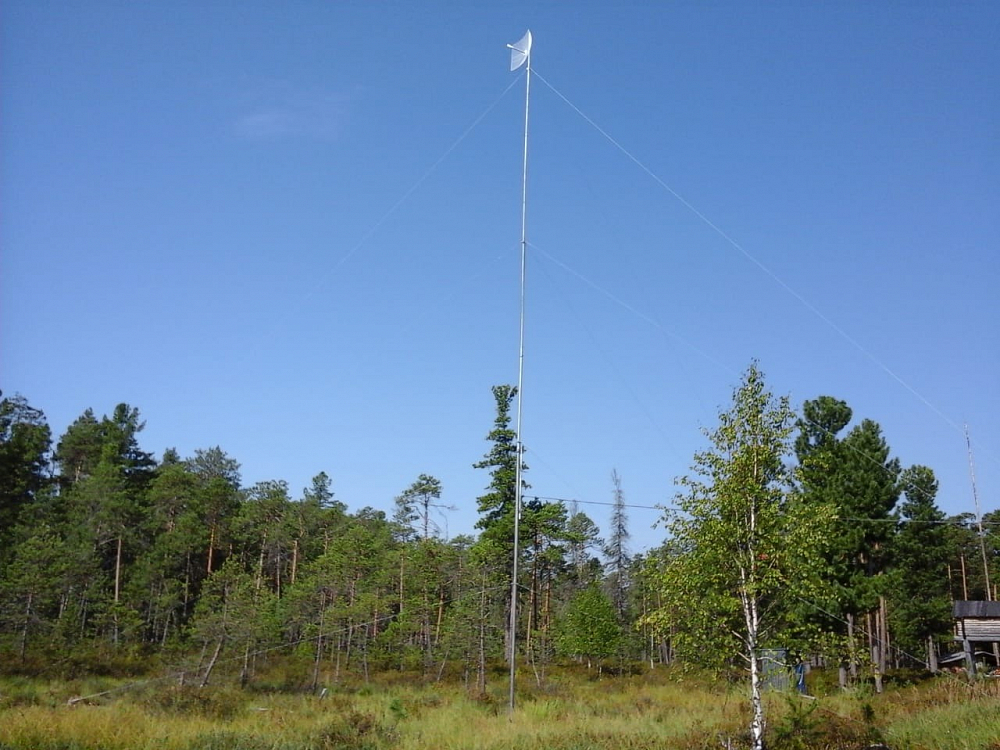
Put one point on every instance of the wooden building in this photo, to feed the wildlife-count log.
(976, 622)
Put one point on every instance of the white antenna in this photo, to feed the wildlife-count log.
(520, 54)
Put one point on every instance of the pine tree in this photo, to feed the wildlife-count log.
(25, 441)
(413, 507)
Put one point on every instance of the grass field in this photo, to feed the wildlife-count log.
(571, 710)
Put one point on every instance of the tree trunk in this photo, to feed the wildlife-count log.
(402, 557)
(259, 582)
(364, 655)
(884, 643)
(481, 661)
(756, 699)
(426, 628)
(756, 703)
(440, 617)
(24, 630)
(531, 624)
(965, 583)
(118, 578)
(211, 663)
(851, 648)
(187, 581)
(245, 671)
(547, 608)
(336, 666)
(319, 643)
(751, 618)
(211, 549)
(873, 624)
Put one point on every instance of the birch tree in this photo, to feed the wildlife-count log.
(743, 542)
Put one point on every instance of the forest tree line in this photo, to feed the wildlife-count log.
(104, 547)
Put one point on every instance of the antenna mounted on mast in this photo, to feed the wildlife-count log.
(520, 51)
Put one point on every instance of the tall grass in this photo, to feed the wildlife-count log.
(571, 711)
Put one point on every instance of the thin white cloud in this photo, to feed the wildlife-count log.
(277, 111)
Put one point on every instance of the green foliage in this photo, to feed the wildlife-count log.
(921, 602)
(582, 537)
(658, 708)
(869, 486)
(31, 586)
(854, 477)
(413, 508)
(744, 547)
(214, 463)
(616, 550)
(804, 726)
(589, 626)
(965, 558)
(801, 728)
(25, 440)
(497, 505)
(191, 700)
(79, 449)
(115, 562)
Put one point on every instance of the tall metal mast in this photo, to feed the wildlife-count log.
(520, 54)
(979, 517)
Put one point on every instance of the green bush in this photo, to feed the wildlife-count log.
(354, 731)
(213, 703)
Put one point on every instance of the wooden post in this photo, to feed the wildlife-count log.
(970, 660)
(965, 583)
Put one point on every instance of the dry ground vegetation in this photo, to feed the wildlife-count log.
(572, 708)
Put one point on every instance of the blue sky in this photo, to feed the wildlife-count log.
(292, 230)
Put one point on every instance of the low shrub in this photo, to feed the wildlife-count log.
(212, 703)
(353, 731)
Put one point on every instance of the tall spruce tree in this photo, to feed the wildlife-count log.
(868, 492)
(497, 506)
(855, 477)
(616, 550)
(921, 602)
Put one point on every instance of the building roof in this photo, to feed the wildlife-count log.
(976, 609)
